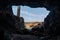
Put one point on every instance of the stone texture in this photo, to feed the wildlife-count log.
(52, 24)
(9, 23)
(49, 4)
(20, 22)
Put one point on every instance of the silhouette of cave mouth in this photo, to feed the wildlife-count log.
(52, 5)
(51, 23)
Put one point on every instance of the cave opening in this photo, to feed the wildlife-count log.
(51, 22)
(32, 16)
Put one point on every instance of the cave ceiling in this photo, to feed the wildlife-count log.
(49, 4)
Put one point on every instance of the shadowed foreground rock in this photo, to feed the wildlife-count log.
(9, 24)
(52, 23)
(29, 37)
(20, 22)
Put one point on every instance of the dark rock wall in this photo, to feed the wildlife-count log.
(20, 22)
(52, 23)
(9, 23)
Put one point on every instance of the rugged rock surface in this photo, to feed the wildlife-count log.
(29, 37)
(51, 24)
(49, 4)
(20, 22)
(9, 24)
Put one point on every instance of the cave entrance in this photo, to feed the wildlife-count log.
(32, 16)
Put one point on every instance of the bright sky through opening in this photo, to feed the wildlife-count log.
(31, 14)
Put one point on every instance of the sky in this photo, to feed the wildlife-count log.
(31, 14)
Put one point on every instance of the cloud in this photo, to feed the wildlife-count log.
(29, 14)
(33, 20)
(31, 17)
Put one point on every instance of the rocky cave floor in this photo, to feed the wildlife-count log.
(30, 37)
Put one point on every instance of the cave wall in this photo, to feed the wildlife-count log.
(51, 22)
(10, 24)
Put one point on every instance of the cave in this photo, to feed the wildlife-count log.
(51, 22)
